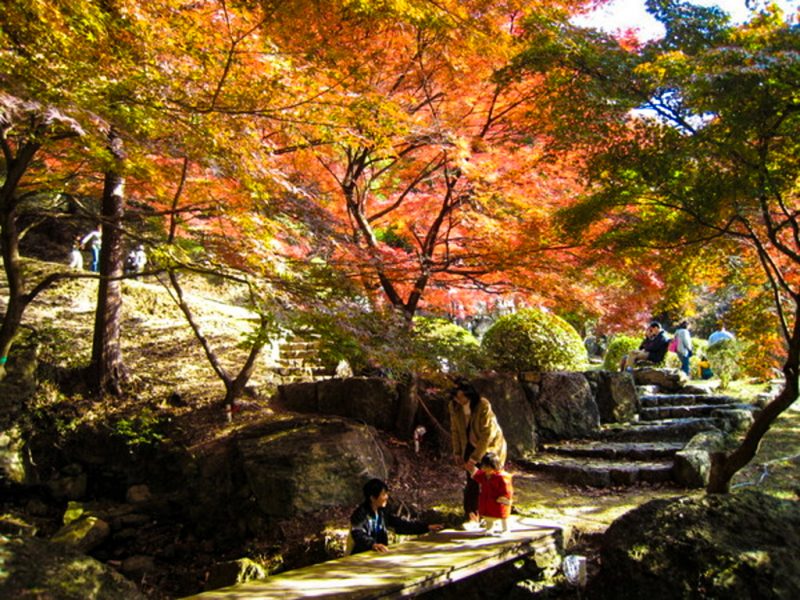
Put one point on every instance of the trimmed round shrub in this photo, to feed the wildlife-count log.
(618, 347)
(454, 348)
(534, 340)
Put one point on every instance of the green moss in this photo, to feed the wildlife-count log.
(73, 513)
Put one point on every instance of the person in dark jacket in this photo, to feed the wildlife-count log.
(369, 522)
(653, 348)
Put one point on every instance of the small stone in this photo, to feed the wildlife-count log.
(137, 566)
(84, 534)
(138, 494)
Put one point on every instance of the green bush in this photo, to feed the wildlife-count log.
(619, 346)
(534, 340)
(724, 359)
(447, 344)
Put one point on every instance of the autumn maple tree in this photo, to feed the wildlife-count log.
(706, 166)
(381, 145)
(425, 158)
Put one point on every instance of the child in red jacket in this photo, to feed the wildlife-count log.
(494, 503)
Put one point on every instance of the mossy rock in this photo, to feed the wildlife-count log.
(534, 340)
(742, 545)
(36, 568)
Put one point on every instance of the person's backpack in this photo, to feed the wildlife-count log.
(673, 345)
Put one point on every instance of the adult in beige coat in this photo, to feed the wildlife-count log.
(474, 431)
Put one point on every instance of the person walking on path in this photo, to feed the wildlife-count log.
(474, 432)
(95, 241)
(369, 522)
(684, 349)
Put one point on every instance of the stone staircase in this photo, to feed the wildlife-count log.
(296, 359)
(643, 450)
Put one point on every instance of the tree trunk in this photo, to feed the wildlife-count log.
(235, 387)
(409, 404)
(16, 297)
(9, 247)
(725, 466)
(106, 370)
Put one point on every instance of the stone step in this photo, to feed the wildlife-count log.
(299, 343)
(657, 413)
(649, 400)
(293, 371)
(644, 390)
(634, 451)
(599, 472)
(677, 430)
(290, 363)
(298, 353)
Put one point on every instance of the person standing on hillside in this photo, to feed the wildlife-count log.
(474, 432)
(684, 349)
(75, 256)
(95, 241)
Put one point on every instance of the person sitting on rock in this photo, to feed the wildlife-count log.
(652, 350)
(369, 522)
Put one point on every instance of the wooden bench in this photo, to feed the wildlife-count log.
(410, 568)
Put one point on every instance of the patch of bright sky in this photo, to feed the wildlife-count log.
(620, 15)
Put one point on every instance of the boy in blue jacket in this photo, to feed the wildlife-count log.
(369, 522)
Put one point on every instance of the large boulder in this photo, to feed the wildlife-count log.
(735, 419)
(302, 464)
(513, 410)
(232, 572)
(615, 395)
(667, 380)
(742, 545)
(563, 405)
(36, 568)
(691, 466)
(373, 400)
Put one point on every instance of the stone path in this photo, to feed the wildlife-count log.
(641, 451)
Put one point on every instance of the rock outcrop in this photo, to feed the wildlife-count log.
(563, 405)
(513, 410)
(615, 395)
(742, 545)
(303, 464)
(57, 571)
(692, 464)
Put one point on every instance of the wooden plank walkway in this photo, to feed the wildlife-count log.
(410, 568)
